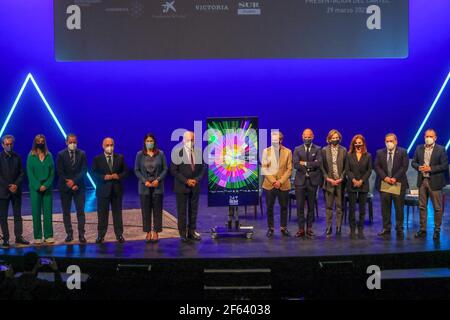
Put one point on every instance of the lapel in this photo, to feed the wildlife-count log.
(115, 162)
(329, 158)
(105, 163)
(67, 157)
(77, 156)
(340, 159)
(354, 159)
(384, 162)
(282, 155)
(394, 160)
(432, 153)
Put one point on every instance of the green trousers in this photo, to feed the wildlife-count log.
(42, 204)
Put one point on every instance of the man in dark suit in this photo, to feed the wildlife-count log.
(110, 170)
(334, 158)
(188, 170)
(11, 177)
(71, 165)
(391, 164)
(307, 162)
(431, 162)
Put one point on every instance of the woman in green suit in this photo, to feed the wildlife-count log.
(41, 171)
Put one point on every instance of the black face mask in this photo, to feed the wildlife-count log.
(307, 141)
(334, 142)
(40, 146)
(358, 146)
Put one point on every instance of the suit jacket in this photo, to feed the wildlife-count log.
(399, 168)
(143, 176)
(10, 174)
(100, 168)
(313, 166)
(183, 171)
(273, 169)
(67, 171)
(327, 165)
(359, 170)
(438, 164)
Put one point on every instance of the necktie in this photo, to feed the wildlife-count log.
(307, 154)
(390, 164)
(192, 160)
(72, 158)
(110, 163)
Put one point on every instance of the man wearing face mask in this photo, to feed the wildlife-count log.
(71, 165)
(277, 169)
(188, 172)
(307, 162)
(334, 158)
(391, 164)
(11, 177)
(109, 169)
(431, 162)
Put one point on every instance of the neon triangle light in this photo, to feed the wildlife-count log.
(49, 109)
(430, 111)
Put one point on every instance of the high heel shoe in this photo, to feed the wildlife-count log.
(148, 237)
(155, 237)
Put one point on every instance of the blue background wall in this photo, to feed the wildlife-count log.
(128, 99)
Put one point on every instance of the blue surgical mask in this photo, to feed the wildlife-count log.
(149, 145)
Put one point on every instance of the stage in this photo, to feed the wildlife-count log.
(170, 247)
(276, 268)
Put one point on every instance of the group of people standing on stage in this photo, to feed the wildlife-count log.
(109, 170)
(332, 167)
(338, 171)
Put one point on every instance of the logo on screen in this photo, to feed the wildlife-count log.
(233, 200)
(169, 6)
(211, 7)
(249, 8)
(136, 9)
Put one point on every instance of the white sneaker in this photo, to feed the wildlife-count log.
(38, 241)
(50, 240)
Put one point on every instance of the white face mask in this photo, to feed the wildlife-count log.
(276, 143)
(390, 146)
(189, 144)
(429, 141)
(72, 146)
(109, 150)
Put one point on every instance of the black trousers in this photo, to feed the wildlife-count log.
(361, 199)
(308, 193)
(103, 204)
(151, 207)
(386, 207)
(79, 198)
(283, 199)
(187, 209)
(16, 203)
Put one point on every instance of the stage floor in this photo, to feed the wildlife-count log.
(258, 247)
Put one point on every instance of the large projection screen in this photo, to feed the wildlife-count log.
(97, 30)
(233, 172)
